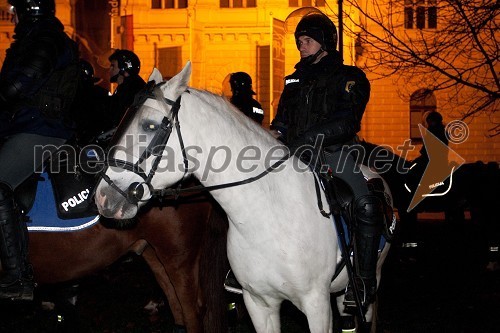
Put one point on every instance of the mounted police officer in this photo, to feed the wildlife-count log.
(37, 87)
(325, 98)
(241, 86)
(124, 70)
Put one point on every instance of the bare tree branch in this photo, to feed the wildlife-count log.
(458, 52)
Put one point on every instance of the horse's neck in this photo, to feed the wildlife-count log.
(223, 142)
(227, 146)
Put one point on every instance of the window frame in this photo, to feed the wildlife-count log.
(420, 14)
(240, 4)
(163, 4)
(306, 3)
(421, 101)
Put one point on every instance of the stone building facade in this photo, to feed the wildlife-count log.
(220, 37)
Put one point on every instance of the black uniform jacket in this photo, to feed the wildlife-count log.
(326, 98)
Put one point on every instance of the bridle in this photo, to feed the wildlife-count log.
(135, 192)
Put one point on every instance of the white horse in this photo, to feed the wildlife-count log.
(280, 246)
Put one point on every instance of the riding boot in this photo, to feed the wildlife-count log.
(16, 282)
(369, 219)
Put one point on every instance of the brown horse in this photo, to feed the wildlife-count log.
(179, 243)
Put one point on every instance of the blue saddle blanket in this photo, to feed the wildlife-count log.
(381, 245)
(43, 215)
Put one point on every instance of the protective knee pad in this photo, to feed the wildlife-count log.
(369, 213)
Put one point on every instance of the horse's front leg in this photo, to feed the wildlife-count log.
(183, 272)
(265, 317)
(165, 284)
(316, 306)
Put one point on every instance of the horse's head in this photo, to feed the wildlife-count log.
(138, 151)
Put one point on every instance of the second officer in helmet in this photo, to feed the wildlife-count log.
(124, 70)
(241, 87)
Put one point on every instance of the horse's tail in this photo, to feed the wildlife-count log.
(213, 268)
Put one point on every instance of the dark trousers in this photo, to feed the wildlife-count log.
(23, 154)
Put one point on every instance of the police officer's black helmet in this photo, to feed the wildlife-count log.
(320, 28)
(33, 8)
(241, 83)
(127, 61)
(87, 71)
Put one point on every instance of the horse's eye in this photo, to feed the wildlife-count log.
(149, 127)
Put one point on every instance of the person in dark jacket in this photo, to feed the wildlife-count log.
(433, 122)
(241, 87)
(33, 112)
(324, 99)
(124, 70)
(91, 105)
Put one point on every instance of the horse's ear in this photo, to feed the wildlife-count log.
(186, 73)
(179, 83)
(155, 76)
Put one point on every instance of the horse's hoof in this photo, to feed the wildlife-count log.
(179, 329)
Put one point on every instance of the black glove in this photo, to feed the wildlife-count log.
(329, 133)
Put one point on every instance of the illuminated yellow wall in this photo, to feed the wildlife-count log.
(217, 40)
(220, 41)
(387, 117)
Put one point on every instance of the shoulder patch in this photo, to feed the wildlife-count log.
(349, 85)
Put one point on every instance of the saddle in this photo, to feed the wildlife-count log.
(342, 193)
(71, 186)
(340, 197)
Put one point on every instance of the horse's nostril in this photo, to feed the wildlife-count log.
(106, 212)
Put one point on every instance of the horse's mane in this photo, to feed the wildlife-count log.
(230, 121)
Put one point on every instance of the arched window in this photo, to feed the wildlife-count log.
(421, 101)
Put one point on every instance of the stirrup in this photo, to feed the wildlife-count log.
(21, 291)
(231, 284)
(365, 295)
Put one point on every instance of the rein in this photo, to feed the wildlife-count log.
(177, 191)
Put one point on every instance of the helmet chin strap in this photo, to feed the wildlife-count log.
(309, 60)
(114, 78)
